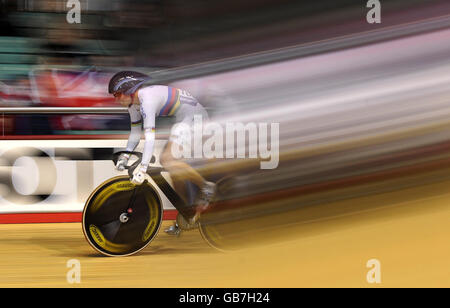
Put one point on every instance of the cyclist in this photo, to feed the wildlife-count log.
(144, 104)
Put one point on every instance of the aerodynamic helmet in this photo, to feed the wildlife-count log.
(126, 82)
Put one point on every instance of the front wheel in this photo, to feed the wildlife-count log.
(121, 218)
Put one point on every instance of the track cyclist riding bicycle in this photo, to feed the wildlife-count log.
(144, 104)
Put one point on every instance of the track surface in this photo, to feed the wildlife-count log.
(411, 241)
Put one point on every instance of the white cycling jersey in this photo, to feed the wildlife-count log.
(159, 101)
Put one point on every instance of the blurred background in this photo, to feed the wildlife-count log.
(46, 61)
(363, 147)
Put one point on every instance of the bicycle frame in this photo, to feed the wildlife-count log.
(155, 174)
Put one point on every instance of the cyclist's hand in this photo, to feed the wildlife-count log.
(139, 176)
(122, 162)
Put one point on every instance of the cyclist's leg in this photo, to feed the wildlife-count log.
(179, 171)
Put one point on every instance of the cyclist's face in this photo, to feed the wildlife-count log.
(124, 100)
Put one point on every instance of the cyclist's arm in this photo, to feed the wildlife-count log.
(135, 133)
(148, 146)
(149, 104)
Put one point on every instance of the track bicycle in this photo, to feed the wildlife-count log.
(121, 218)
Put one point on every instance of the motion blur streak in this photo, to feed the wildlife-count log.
(360, 129)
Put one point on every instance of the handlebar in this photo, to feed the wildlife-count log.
(131, 168)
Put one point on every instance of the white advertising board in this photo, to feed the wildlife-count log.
(38, 176)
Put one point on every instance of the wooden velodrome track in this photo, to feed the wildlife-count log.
(410, 239)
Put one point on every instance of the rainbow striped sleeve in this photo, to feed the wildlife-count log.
(172, 103)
